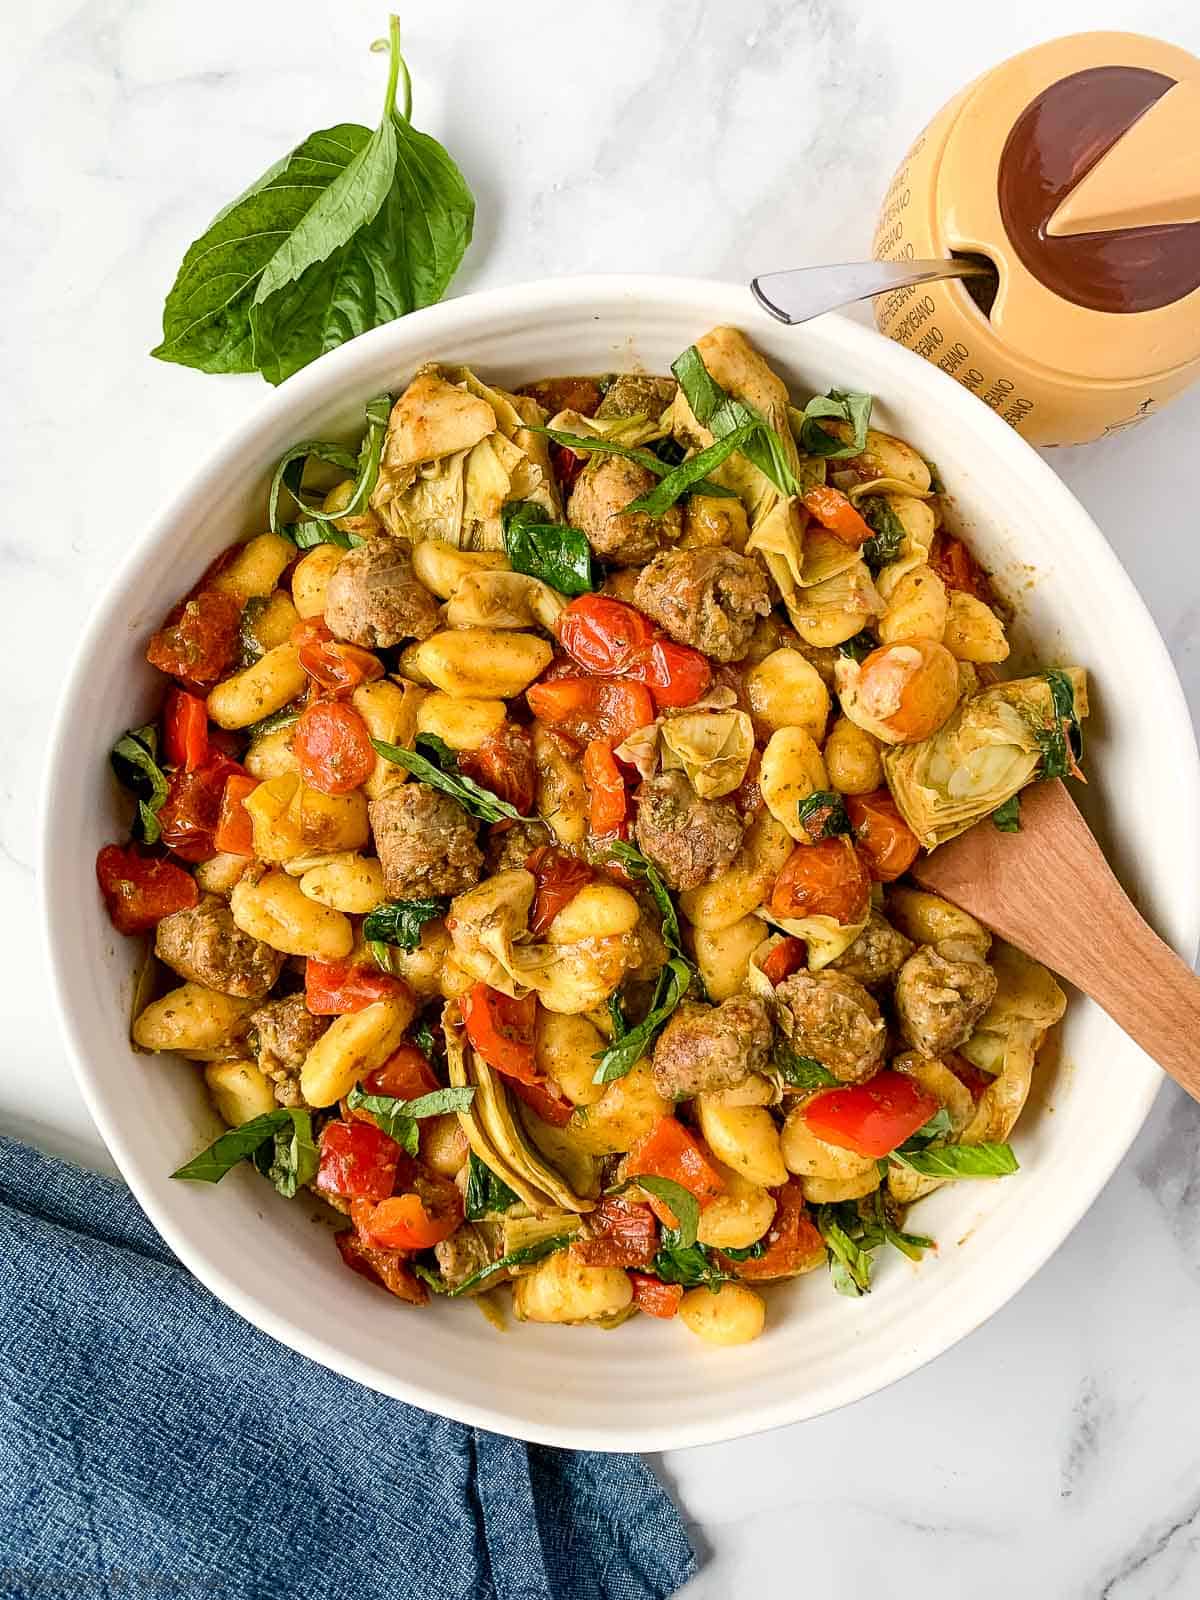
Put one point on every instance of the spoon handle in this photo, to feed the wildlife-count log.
(807, 292)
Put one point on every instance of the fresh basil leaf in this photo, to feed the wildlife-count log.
(399, 922)
(595, 444)
(249, 649)
(802, 1072)
(623, 1053)
(399, 1118)
(525, 1256)
(960, 1160)
(684, 1205)
(859, 647)
(383, 957)
(294, 1156)
(846, 406)
(1008, 816)
(316, 526)
(211, 1165)
(722, 415)
(690, 1265)
(889, 534)
(849, 1262)
(428, 1276)
(637, 865)
(272, 724)
(1062, 741)
(912, 1245)
(423, 1037)
(749, 1252)
(616, 1012)
(134, 759)
(935, 478)
(439, 769)
(689, 474)
(939, 1126)
(552, 551)
(289, 475)
(487, 1195)
(823, 814)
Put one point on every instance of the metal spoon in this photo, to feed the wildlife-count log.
(808, 292)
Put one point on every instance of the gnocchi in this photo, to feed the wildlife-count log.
(353, 1046)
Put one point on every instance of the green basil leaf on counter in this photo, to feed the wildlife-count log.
(722, 415)
(351, 229)
(1008, 816)
(557, 554)
(438, 767)
(622, 1054)
(399, 922)
(683, 1203)
(888, 531)
(487, 1195)
(525, 1256)
(991, 1160)
(823, 814)
(211, 1165)
(844, 405)
(801, 1072)
(134, 760)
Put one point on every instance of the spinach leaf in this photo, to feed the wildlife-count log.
(211, 1165)
(316, 527)
(690, 474)
(134, 759)
(859, 647)
(690, 1265)
(684, 1205)
(557, 554)
(595, 444)
(849, 1259)
(487, 1195)
(291, 1158)
(398, 1118)
(523, 1257)
(802, 1072)
(823, 814)
(623, 1053)
(846, 406)
(960, 1160)
(722, 415)
(1008, 816)
(889, 535)
(399, 922)
(351, 229)
(1062, 741)
(439, 769)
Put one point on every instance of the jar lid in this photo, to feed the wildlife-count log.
(1075, 168)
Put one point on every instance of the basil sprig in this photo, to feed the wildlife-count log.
(801, 1072)
(487, 1195)
(399, 922)
(439, 769)
(690, 475)
(683, 1203)
(853, 1232)
(1007, 818)
(134, 759)
(722, 415)
(844, 405)
(690, 1265)
(523, 1257)
(279, 1142)
(398, 1118)
(351, 229)
(557, 554)
(823, 814)
(306, 535)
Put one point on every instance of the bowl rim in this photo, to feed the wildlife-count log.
(732, 302)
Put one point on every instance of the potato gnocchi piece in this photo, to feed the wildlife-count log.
(463, 724)
(791, 770)
(348, 882)
(852, 758)
(561, 1289)
(239, 1091)
(732, 1315)
(310, 580)
(192, 1018)
(479, 663)
(786, 691)
(744, 1138)
(277, 911)
(256, 568)
(723, 955)
(264, 687)
(745, 884)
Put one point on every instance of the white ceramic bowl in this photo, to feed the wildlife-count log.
(651, 1385)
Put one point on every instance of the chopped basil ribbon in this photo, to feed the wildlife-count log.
(398, 1118)
(280, 1143)
(557, 554)
(722, 415)
(439, 769)
(134, 759)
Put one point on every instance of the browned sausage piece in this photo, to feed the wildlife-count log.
(832, 1019)
(690, 840)
(425, 841)
(939, 1000)
(876, 955)
(704, 1048)
(375, 599)
(205, 945)
(597, 506)
(286, 1031)
(710, 599)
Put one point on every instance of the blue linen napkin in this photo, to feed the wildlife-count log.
(154, 1444)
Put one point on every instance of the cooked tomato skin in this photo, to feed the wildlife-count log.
(427, 1211)
(607, 709)
(340, 988)
(504, 763)
(333, 747)
(609, 638)
(559, 877)
(828, 879)
(608, 803)
(625, 1235)
(788, 956)
(388, 1268)
(139, 891)
(235, 830)
(191, 814)
(198, 640)
(870, 1118)
(653, 1296)
(793, 1243)
(185, 730)
(501, 1030)
(884, 838)
(358, 1161)
(958, 568)
(405, 1075)
(546, 1099)
(834, 511)
(669, 1150)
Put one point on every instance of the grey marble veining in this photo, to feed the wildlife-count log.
(1054, 1453)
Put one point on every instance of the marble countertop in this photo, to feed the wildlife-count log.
(1052, 1453)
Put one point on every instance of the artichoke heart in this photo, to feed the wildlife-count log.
(424, 502)
(848, 598)
(541, 1186)
(826, 938)
(991, 747)
(712, 747)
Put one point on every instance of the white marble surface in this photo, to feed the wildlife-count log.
(1052, 1454)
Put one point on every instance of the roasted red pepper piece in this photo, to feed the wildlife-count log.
(139, 890)
(621, 1234)
(871, 1118)
(388, 1268)
(501, 1030)
(358, 1161)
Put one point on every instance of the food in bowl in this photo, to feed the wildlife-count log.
(528, 822)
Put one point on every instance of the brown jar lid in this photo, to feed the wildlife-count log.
(1075, 167)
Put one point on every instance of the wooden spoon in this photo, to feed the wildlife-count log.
(1049, 891)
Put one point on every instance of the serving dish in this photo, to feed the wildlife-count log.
(273, 1264)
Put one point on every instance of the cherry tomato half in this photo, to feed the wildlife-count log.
(827, 879)
(559, 878)
(185, 730)
(339, 988)
(501, 1029)
(139, 890)
(198, 640)
(884, 838)
(504, 763)
(620, 1234)
(358, 1161)
(608, 709)
(333, 747)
